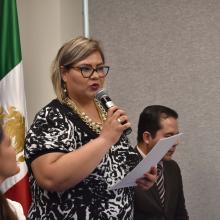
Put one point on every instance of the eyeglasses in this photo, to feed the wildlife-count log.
(87, 70)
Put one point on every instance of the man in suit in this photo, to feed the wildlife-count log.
(165, 200)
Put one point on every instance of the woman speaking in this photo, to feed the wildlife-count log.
(75, 150)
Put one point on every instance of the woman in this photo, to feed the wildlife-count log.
(75, 150)
(9, 209)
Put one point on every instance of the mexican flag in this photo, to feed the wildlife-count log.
(12, 99)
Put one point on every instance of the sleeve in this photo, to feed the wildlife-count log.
(51, 131)
(181, 212)
(17, 209)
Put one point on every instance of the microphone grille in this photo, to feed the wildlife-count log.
(100, 93)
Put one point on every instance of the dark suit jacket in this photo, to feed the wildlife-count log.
(147, 203)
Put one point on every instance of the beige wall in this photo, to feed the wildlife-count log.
(168, 52)
(44, 26)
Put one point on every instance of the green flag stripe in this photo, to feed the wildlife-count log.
(10, 49)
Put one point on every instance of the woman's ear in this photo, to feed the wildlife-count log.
(63, 73)
(146, 137)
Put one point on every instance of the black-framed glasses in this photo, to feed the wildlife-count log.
(87, 70)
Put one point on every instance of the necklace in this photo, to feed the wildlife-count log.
(95, 126)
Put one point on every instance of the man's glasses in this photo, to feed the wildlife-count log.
(87, 70)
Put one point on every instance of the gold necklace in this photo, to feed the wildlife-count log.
(95, 126)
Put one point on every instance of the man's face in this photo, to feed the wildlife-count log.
(169, 127)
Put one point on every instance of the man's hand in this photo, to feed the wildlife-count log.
(148, 180)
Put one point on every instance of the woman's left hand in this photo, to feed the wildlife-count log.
(148, 180)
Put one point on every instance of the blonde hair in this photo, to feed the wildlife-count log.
(68, 55)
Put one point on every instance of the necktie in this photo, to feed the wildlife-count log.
(160, 182)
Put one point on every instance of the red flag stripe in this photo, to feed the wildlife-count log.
(19, 193)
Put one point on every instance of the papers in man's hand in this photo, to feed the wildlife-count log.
(151, 159)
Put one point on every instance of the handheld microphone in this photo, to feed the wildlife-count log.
(107, 103)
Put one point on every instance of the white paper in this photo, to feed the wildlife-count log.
(151, 159)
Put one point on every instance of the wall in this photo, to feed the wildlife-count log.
(44, 26)
(168, 52)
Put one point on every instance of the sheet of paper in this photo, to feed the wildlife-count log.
(151, 159)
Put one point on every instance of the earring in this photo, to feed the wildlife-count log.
(65, 93)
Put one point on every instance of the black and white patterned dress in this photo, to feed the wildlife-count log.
(57, 129)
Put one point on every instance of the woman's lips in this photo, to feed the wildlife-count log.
(94, 86)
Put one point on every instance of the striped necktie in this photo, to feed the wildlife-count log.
(160, 182)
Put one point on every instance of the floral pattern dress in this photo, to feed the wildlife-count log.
(56, 128)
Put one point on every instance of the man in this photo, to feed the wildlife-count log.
(165, 200)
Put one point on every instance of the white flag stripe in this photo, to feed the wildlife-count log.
(12, 90)
(12, 94)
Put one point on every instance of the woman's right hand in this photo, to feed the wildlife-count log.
(117, 121)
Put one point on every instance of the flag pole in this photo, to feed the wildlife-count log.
(86, 17)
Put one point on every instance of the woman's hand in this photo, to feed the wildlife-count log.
(148, 180)
(116, 123)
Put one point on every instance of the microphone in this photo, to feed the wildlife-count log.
(107, 103)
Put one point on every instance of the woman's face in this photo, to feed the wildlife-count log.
(80, 88)
(8, 164)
